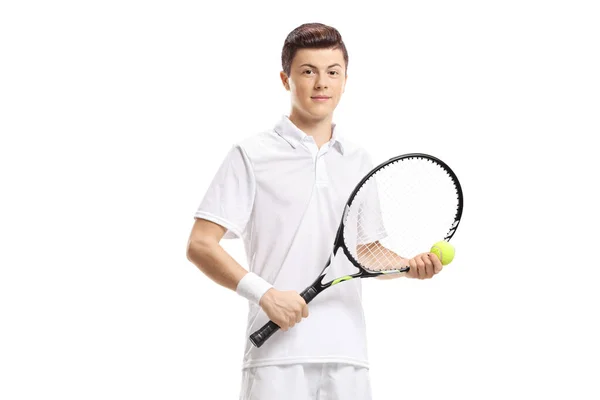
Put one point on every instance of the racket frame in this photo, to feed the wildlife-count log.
(259, 337)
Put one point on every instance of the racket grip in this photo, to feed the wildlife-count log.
(259, 337)
(309, 294)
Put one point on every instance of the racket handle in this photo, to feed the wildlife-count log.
(309, 294)
(259, 337)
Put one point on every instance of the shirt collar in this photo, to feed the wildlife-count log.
(294, 136)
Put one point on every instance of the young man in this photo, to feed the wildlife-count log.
(283, 192)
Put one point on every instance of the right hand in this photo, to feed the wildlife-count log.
(286, 309)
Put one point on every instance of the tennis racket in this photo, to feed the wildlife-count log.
(397, 211)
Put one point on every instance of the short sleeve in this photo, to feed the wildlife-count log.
(370, 219)
(230, 196)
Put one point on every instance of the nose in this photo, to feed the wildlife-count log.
(321, 82)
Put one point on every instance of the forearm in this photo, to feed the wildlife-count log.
(379, 257)
(390, 276)
(216, 263)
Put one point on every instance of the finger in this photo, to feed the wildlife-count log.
(305, 311)
(414, 271)
(428, 266)
(302, 301)
(437, 263)
(420, 268)
(412, 266)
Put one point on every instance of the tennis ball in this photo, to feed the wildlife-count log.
(444, 251)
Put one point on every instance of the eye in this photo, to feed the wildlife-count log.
(307, 71)
(334, 72)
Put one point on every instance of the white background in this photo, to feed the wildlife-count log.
(115, 115)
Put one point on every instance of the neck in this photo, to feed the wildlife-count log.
(319, 129)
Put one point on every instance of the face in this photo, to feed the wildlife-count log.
(316, 82)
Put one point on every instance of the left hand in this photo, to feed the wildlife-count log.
(424, 266)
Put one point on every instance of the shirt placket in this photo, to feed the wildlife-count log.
(319, 165)
(321, 178)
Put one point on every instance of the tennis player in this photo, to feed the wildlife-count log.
(282, 192)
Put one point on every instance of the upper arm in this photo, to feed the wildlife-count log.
(205, 231)
(229, 199)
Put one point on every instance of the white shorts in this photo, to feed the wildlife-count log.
(306, 382)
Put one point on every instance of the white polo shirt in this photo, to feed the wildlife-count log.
(285, 197)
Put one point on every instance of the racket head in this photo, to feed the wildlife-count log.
(370, 217)
(400, 208)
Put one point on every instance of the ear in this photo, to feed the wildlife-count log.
(285, 80)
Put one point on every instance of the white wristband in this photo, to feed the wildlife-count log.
(252, 287)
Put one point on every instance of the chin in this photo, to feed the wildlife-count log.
(321, 114)
(312, 112)
(320, 111)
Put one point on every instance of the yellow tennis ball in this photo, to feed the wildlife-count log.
(444, 251)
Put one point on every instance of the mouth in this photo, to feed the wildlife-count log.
(320, 98)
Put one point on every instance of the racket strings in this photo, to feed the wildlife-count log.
(399, 212)
(378, 258)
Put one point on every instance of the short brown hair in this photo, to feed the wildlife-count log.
(311, 36)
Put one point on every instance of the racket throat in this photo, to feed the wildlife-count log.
(317, 287)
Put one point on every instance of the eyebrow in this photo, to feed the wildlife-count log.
(312, 66)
